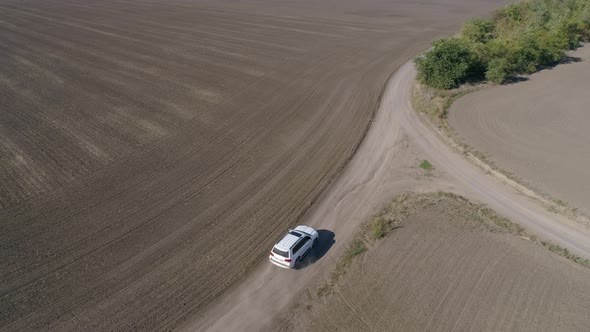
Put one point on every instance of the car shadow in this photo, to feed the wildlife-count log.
(325, 242)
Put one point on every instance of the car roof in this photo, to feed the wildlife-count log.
(305, 229)
(289, 240)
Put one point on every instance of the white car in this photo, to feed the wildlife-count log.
(293, 246)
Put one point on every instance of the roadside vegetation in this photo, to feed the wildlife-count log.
(394, 215)
(435, 103)
(356, 248)
(494, 222)
(520, 38)
(382, 224)
(426, 166)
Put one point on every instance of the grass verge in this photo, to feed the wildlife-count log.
(565, 253)
(489, 217)
(381, 225)
(435, 103)
(356, 248)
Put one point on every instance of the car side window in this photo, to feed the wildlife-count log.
(297, 247)
(300, 244)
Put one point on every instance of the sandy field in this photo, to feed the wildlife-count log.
(448, 269)
(152, 151)
(537, 129)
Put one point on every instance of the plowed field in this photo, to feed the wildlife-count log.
(151, 151)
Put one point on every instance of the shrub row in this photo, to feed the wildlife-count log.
(518, 39)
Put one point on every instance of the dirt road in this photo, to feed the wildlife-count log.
(385, 164)
(536, 129)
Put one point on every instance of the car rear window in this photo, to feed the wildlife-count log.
(295, 233)
(280, 252)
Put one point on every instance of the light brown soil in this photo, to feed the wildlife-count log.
(537, 129)
(152, 151)
(446, 269)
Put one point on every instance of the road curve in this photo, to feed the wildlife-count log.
(384, 165)
(472, 182)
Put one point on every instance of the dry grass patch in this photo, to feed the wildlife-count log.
(435, 103)
(356, 248)
(565, 253)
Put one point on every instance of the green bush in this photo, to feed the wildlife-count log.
(525, 58)
(478, 31)
(426, 165)
(518, 39)
(515, 11)
(378, 228)
(585, 18)
(573, 31)
(498, 70)
(551, 48)
(446, 66)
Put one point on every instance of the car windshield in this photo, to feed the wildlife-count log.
(280, 252)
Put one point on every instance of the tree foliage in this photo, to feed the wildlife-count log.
(519, 39)
(498, 70)
(446, 65)
(478, 31)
